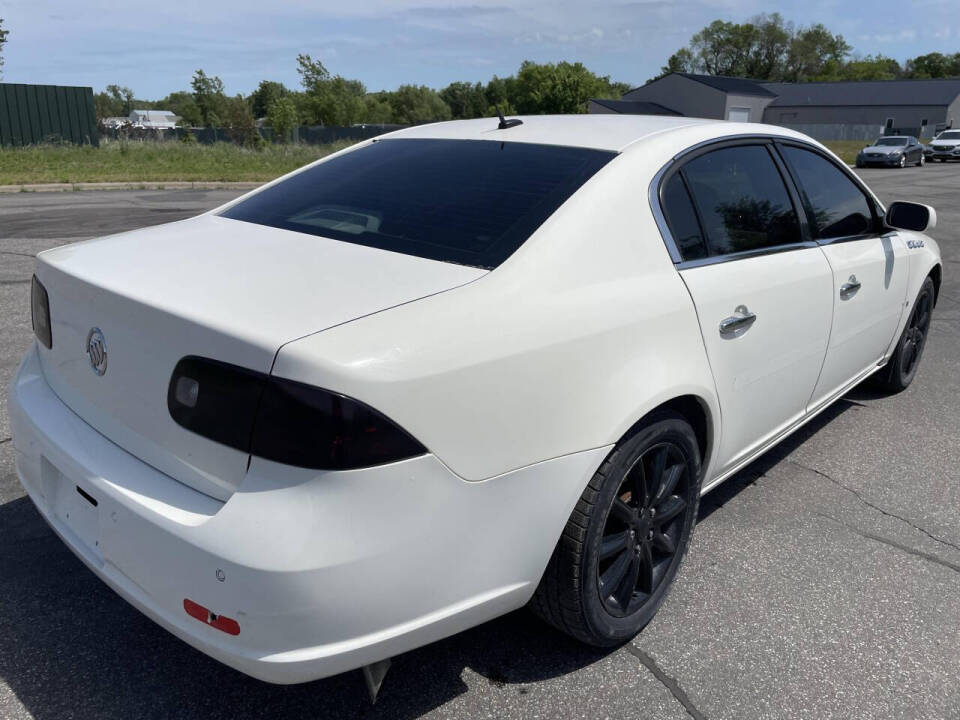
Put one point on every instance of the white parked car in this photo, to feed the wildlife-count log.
(452, 371)
(944, 147)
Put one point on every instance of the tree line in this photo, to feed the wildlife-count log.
(769, 48)
(327, 99)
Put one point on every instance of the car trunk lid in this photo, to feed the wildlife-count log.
(213, 287)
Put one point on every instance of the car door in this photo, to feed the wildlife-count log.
(763, 293)
(869, 266)
(914, 151)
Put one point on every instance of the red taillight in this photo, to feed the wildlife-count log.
(220, 622)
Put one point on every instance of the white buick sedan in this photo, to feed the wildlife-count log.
(452, 371)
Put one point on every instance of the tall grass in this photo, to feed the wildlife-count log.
(133, 161)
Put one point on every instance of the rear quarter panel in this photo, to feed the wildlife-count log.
(562, 348)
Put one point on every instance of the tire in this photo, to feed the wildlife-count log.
(903, 364)
(903, 162)
(921, 161)
(612, 530)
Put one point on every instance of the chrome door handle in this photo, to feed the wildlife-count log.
(849, 288)
(741, 320)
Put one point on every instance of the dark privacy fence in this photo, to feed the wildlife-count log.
(32, 114)
(306, 134)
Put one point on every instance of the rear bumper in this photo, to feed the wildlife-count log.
(323, 572)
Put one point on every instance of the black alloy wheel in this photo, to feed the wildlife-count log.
(643, 530)
(902, 366)
(624, 542)
(915, 334)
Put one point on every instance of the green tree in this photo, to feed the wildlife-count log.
(933, 65)
(329, 99)
(312, 72)
(682, 61)
(210, 99)
(813, 51)
(282, 117)
(770, 48)
(723, 48)
(266, 94)
(557, 88)
(3, 41)
(870, 67)
(122, 98)
(415, 104)
(376, 109)
(183, 104)
(465, 100)
(764, 48)
(500, 93)
(240, 123)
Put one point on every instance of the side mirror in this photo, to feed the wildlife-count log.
(911, 216)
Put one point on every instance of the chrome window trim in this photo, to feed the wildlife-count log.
(653, 195)
(745, 254)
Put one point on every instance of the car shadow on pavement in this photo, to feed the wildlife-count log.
(70, 647)
(716, 499)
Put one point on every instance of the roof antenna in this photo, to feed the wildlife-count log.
(504, 124)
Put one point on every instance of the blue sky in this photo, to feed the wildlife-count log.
(154, 47)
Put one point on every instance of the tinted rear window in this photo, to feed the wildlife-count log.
(472, 202)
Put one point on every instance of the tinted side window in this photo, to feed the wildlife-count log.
(742, 200)
(682, 219)
(835, 206)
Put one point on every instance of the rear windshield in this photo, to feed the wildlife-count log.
(472, 202)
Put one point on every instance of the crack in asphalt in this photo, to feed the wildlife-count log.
(14, 282)
(19, 254)
(5, 440)
(668, 682)
(894, 544)
(871, 505)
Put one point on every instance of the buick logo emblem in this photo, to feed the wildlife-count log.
(97, 351)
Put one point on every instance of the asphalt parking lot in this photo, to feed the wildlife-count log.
(823, 581)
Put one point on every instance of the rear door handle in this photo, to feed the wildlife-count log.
(739, 322)
(849, 288)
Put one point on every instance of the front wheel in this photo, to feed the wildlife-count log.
(921, 161)
(903, 161)
(622, 546)
(902, 366)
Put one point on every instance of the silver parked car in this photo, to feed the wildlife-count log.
(892, 151)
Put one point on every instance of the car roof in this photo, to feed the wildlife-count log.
(601, 132)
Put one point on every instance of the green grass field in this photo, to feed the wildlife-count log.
(136, 161)
(846, 149)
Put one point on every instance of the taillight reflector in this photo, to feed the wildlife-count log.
(220, 622)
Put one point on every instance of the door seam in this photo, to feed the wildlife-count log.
(833, 318)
